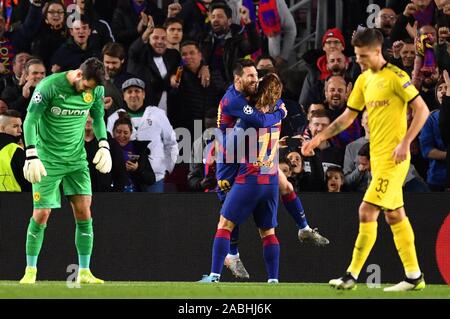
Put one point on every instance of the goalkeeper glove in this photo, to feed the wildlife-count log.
(103, 158)
(33, 168)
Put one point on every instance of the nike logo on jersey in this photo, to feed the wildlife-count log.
(62, 96)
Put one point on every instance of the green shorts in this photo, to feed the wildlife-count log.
(75, 181)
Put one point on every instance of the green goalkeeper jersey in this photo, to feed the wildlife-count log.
(56, 118)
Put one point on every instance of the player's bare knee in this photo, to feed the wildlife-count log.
(286, 188)
(225, 224)
(266, 232)
(393, 217)
(41, 215)
(368, 212)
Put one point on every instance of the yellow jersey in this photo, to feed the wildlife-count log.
(385, 94)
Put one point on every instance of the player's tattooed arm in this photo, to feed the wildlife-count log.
(340, 124)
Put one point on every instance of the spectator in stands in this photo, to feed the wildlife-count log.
(116, 179)
(99, 28)
(416, 14)
(193, 99)
(384, 22)
(359, 179)
(279, 27)
(18, 97)
(336, 95)
(149, 124)
(319, 68)
(432, 145)
(227, 42)
(202, 168)
(302, 180)
(444, 123)
(305, 131)
(135, 155)
(151, 60)
(131, 18)
(334, 178)
(174, 28)
(266, 63)
(51, 34)
(404, 53)
(19, 39)
(356, 174)
(115, 75)
(443, 48)
(15, 79)
(285, 166)
(194, 14)
(327, 153)
(293, 123)
(12, 156)
(353, 174)
(79, 47)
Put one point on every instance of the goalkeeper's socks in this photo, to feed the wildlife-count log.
(221, 247)
(234, 241)
(32, 261)
(35, 238)
(84, 261)
(271, 254)
(295, 209)
(84, 240)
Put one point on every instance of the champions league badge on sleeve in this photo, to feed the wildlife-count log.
(37, 97)
(248, 109)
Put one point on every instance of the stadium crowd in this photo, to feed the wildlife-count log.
(167, 70)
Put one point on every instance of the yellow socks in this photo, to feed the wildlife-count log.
(363, 245)
(404, 241)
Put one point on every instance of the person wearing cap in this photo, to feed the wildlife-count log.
(151, 124)
(319, 68)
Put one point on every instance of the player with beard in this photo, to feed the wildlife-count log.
(55, 156)
(258, 179)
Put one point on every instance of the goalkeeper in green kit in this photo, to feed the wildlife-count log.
(54, 138)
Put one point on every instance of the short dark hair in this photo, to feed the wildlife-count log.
(189, 42)
(334, 169)
(284, 160)
(124, 118)
(12, 113)
(321, 113)
(170, 21)
(265, 57)
(17, 55)
(32, 61)
(83, 19)
(93, 69)
(241, 64)
(114, 49)
(223, 6)
(368, 37)
(365, 150)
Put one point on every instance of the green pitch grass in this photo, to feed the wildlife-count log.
(188, 290)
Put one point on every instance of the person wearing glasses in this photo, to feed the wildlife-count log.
(52, 32)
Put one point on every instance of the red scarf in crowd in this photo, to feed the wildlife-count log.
(269, 19)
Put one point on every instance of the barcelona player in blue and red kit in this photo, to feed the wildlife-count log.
(257, 178)
(233, 106)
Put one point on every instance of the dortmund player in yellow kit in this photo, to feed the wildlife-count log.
(385, 91)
